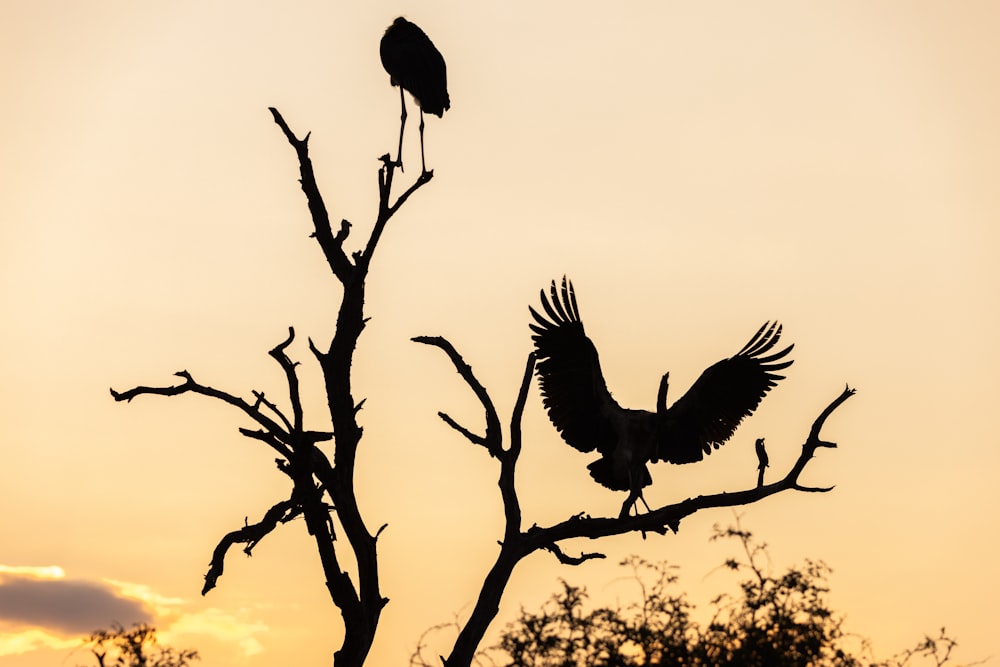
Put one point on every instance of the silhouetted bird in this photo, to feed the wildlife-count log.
(762, 461)
(415, 64)
(588, 418)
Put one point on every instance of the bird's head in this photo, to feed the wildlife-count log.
(661, 395)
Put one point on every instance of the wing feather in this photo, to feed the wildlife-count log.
(723, 396)
(573, 389)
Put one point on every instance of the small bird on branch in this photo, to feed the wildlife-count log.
(588, 418)
(761, 460)
(414, 64)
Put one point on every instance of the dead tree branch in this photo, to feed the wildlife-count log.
(279, 438)
(250, 535)
(518, 544)
(278, 352)
(332, 245)
(492, 439)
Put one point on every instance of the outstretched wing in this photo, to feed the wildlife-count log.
(726, 393)
(573, 389)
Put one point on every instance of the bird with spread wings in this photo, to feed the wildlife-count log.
(582, 409)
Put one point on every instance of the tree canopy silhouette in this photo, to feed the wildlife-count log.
(137, 646)
(775, 620)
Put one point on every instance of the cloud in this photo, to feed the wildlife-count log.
(40, 607)
(64, 606)
(160, 604)
(36, 571)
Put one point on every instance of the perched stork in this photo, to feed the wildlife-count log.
(588, 418)
(415, 64)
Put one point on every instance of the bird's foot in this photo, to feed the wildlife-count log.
(632, 502)
(627, 508)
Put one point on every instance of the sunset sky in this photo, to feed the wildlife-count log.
(694, 168)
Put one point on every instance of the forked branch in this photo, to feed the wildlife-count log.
(279, 439)
(492, 439)
(288, 438)
(332, 245)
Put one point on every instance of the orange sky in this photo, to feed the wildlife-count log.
(695, 168)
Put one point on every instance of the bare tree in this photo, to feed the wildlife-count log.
(321, 488)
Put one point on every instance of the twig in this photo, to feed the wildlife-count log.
(332, 245)
(250, 535)
(571, 560)
(492, 438)
(278, 352)
(278, 434)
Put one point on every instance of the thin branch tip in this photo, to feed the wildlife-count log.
(280, 347)
(469, 435)
(814, 489)
(566, 559)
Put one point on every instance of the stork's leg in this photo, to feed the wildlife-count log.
(402, 124)
(423, 166)
(629, 503)
(644, 504)
(634, 496)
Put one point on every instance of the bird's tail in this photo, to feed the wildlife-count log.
(604, 473)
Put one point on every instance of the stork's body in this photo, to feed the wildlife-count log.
(588, 418)
(414, 64)
(623, 466)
